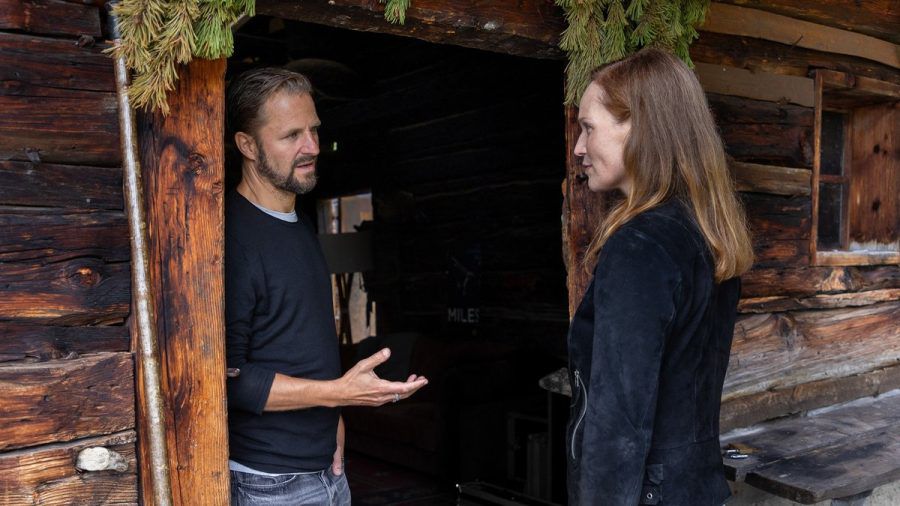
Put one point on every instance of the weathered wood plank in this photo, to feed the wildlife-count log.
(522, 27)
(74, 292)
(50, 17)
(840, 470)
(782, 253)
(46, 475)
(50, 185)
(768, 143)
(62, 400)
(31, 65)
(734, 20)
(736, 110)
(50, 235)
(874, 212)
(182, 163)
(823, 301)
(784, 349)
(19, 341)
(759, 86)
(812, 280)
(878, 18)
(760, 55)
(786, 438)
(766, 405)
(753, 177)
(773, 217)
(76, 130)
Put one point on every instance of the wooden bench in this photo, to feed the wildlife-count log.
(840, 453)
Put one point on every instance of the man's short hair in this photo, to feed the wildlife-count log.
(249, 91)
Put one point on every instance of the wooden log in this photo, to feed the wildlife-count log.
(62, 400)
(753, 177)
(46, 475)
(750, 409)
(41, 66)
(760, 55)
(82, 291)
(780, 253)
(822, 301)
(20, 340)
(521, 27)
(768, 143)
(812, 280)
(878, 18)
(43, 235)
(50, 185)
(864, 257)
(742, 111)
(734, 20)
(182, 163)
(759, 86)
(75, 130)
(53, 17)
(785, 349)
(774, 217)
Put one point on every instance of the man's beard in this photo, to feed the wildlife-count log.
(287, 182)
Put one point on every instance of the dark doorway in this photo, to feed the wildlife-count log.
(463, 154)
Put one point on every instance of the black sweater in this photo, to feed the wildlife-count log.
(279, 319)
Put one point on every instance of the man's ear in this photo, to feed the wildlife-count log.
(246, 145)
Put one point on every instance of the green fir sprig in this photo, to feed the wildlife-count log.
(602, 31)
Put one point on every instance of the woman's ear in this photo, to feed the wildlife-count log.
(246, 145)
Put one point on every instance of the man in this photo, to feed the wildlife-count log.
(284, 379)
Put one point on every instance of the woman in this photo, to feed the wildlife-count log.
(650, 341)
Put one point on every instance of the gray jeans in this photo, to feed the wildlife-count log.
(322, 488)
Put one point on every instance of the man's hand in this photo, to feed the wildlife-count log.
(360, 386)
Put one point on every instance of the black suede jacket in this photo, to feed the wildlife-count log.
(648, 349)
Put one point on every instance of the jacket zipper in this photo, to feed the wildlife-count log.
(579, 384)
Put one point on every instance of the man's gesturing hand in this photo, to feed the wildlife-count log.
(360, 386)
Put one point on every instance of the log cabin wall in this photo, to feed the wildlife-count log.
(66, 372)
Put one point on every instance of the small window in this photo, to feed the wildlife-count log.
(856, 171)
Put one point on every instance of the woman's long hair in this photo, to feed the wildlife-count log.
(672, 151)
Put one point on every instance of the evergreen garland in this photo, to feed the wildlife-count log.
(602, 31)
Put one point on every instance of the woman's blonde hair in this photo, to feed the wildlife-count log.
(672, 151)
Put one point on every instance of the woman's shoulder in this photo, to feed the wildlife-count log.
(667, 229)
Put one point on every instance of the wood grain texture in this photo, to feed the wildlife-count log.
(801, 281)
(81, 291)
(874, 211)
(878, 18)
(35, 234)
(43, 66)
(63, 400)
(772, 179)
(20, 340)
(46, 475)
(77, 129)
(724, 80)
(521, 27)
(784, 349)
(182, 163)
(52, 185)
(822, 301)
(53, 17)
(734, 20)
(769, 404)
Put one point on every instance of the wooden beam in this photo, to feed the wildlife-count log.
(39, 234)
(63, 400)
(43, 342)
(46, 474)
(528, 28)
(753, 177)
(878, 18)
(784, 349)
(53, 17)
(77, 129)
(44, 66)
(81, 291)
(754, 408)
(759, 86)
(52, 185)
(734, 20)
(183, 171)
(821, 301)
(813, 280)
